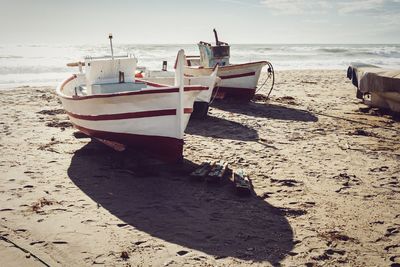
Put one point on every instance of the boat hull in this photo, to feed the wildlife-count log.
(377, 87)
(385, 100)
(146, 120)
(238, 81)
(167, 149)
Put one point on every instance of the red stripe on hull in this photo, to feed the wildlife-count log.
(122, 116)
(165, 148)
(187, 110)
(237, 75)
(242, 94)
(130, 115)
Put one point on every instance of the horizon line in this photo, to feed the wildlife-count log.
(128, 43)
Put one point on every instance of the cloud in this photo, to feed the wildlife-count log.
(323, 6)
(346, 7)
(239, 2)
(295, 6)
(390, 21)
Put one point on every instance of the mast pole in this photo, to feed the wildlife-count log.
(216, 37)
(110, 36)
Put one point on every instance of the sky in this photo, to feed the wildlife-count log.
(189, 21)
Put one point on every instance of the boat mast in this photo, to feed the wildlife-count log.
(110, 36)
(216, 37)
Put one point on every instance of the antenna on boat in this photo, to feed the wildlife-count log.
(216, 36)
(110, 36)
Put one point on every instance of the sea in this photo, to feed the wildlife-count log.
(45, 64)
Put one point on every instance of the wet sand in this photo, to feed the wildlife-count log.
(325, 170)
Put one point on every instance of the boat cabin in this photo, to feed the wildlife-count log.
(211, 55)
(106, 75)
(214, 55)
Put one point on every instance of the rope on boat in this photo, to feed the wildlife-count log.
(215, 95)
(271, 74)
(217, 88)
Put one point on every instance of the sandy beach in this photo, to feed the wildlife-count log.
(324, 167)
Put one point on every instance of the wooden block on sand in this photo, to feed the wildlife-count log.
(242, 182)
(202, 170)
(217, 171)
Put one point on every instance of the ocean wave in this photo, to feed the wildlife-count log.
(10, 57)
(31, 69)
(384, 54)
(333, 50)
(47, 62)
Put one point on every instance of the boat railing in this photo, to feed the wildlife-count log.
(205, 43)
(80, 63)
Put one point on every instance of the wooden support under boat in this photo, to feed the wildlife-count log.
(114, 145)
(211, 171)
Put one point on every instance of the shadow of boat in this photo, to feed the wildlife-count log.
(162, 201)
(266, 110)
(221, 128)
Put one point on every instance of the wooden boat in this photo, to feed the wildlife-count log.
(377, 87)
(237, 80)
(106, 102)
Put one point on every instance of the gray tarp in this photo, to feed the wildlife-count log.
(370, 78)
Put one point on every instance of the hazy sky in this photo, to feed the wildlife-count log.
(188, 21)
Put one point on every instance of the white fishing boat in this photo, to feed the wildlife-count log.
(105, 101)
(237, 80)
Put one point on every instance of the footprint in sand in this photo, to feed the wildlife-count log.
(59, 124)
(379, 169)
(286, 182)
(51, 112)
(182, 252)
(347, 180)
(88, 221)
(36, 242)
(392, 248)
(6, 209)
(392, 231)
